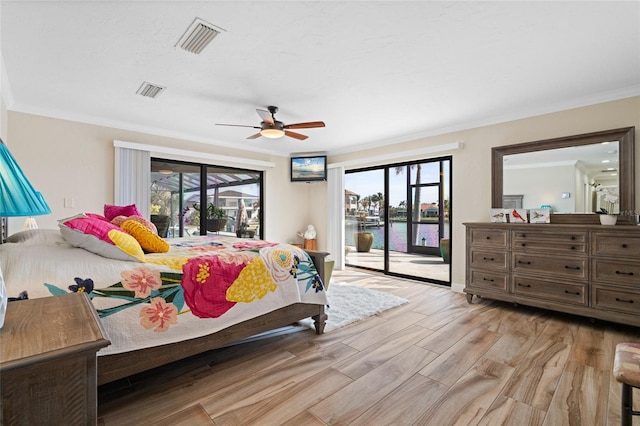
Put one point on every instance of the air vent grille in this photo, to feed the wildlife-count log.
(150, 90)
(198, 36)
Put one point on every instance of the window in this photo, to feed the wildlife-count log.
(180, 189)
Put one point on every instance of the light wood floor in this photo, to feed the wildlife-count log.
(434, 361)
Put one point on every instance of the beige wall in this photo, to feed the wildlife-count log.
(70, 160)
(471, 197)
(66, 159)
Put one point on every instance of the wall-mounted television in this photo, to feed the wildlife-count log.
(308, 168)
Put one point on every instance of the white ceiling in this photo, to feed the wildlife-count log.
(375, 72)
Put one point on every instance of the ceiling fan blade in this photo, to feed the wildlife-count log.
(256, 136)
(238, 125)
(308, 125)
(266, 116)
(295, 135)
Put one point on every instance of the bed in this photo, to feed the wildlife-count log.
(202, 293)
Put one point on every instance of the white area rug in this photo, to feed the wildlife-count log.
(348, 304)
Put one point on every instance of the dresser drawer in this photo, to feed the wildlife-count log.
(608, 298)
(489, 237)
(489, 259)
(615, 244)
(488, 280)
(562, 267)
(619, 272)
(558, 291)
(548, 241)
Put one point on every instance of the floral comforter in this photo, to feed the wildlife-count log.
(202, 285)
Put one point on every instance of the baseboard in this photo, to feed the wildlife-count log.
(455, 287)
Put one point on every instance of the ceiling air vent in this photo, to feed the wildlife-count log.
(198, 36)
(150, 90)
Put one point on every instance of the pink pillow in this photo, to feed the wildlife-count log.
(111, 211)
(96, 216)
(101, 237)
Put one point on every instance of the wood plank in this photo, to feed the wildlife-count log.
(507, 411)
(373, 356)
(454, 362)
(282, 406)
(353, 400)
(373, 336)
(468, 400)
(191, 416)
(263, 385)
(534, 382)
(580, 398)
(404, 405)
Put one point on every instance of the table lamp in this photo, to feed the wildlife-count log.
(17, 198)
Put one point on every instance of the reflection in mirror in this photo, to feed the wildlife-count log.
(563, 178)
(573, 199)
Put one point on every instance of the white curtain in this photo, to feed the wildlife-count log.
(132, 178)
(335, 216)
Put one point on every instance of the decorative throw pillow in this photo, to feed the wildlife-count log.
(102, 238)
(111, 211)
(149, 241)
(119, 220)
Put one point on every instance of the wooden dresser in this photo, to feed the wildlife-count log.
(589, 270)
(48, 368)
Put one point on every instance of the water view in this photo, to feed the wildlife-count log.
(397, 235)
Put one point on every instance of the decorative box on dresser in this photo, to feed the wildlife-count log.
(48, 367)
(589, 270)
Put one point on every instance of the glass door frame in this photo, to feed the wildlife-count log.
(442, 210)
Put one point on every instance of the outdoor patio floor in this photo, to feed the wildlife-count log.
(417, 265)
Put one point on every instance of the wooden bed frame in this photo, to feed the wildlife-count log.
(117, 366)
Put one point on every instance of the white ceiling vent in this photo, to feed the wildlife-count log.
(150, 90)
(198, 36)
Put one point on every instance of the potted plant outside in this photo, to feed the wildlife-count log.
(364, 239)
(216, 219)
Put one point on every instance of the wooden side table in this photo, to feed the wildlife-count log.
(310, 244)
(48, 367)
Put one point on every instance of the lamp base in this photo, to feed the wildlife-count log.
(30, 223)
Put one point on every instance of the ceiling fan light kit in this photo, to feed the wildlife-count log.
(273, 129)
(272, 133)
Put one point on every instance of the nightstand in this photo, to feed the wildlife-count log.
(48, 366)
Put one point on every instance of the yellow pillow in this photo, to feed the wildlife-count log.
(149, 241)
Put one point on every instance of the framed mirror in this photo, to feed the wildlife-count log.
(582, 166)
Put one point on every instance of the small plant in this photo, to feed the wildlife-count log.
(213, 212)
(610, 197)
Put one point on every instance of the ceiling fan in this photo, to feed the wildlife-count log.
(272, 128)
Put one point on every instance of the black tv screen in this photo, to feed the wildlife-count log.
(309, 169)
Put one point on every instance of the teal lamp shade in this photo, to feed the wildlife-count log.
(17, 196)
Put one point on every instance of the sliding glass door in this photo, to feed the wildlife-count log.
(406, 209)
(179, 190)
(364, 218)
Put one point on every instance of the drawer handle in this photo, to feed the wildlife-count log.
(488, 237)
(622, 300)
(577, 268)
(624, 273)
(573, 247)
(524, 245)
(524, 263)
(577, 293)
(624, 246)
(524, 235)
(573, 238)
(524, 285)
(487, 279)
(488, 258)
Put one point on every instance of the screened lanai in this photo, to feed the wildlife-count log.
(177, 194)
